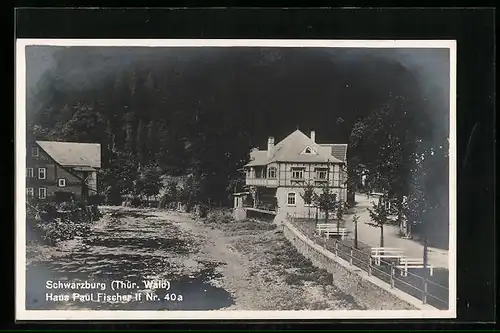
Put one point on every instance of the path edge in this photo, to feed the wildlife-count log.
(291, 234)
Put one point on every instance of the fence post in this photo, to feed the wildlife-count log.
(336, 248)
(350, 259)
(370, 267)
(392, 275)
(424, 292)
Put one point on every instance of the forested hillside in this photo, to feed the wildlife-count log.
(200, 111)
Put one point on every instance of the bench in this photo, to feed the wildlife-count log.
(386, 252)
(342, 232)
(320, 228)
(407, 263)
(326, 225)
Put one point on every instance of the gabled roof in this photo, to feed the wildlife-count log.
(339, 150)
(291, 149)
(258, 157)
(73, 154)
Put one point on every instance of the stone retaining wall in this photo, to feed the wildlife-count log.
(366, 293)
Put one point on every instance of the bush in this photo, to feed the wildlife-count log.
(189, 206)
(64, 196)
(219, 215)
(96, 199)
(48, 210)
(113, 196)
(52, 223)
(167, 201)
(60, 230)
(202, 211)
(172, 206)
(135, 202)
(163, 201)
(96, 214)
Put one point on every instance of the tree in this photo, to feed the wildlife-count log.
(85, 125)
(149, 182)
(308, 196)
(379, 215)
(339, 212)
(117, 177)
(386, 143)
(426, 201)
(141, 143)
(189, 193)
(355, 220)
(172, 190)
(325, 201)
(186, 129)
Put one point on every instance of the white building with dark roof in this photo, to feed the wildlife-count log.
(280, 173)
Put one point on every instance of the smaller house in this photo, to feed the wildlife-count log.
(62, 170)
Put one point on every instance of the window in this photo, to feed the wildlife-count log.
(272, 172)
(29, 191)
(42, 193)
(336, 179)
(297, 173)
(308, 150)
(321, 174)
(29, 172)
(34, 151)
(61, 182)
(42, 173)
(290, 200)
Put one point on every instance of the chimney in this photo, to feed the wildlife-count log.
(270, 146)
(313, 136)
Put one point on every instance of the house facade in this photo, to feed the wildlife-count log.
(277, 176)
(60, 170)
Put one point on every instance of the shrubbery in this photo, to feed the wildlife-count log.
(60, 230)
(135, 202)
(52, 223)
(219, 215)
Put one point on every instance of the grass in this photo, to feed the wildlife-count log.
(297, 269)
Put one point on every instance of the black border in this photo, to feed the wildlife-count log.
(472, 28)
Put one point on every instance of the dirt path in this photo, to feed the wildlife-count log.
(252, 272)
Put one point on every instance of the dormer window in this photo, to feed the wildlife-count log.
(308, 150)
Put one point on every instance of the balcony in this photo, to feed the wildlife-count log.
(267, 182)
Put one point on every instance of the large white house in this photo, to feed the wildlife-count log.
(277, 176)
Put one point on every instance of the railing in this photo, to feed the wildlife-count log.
(428, 291)
(261, 181)
(273, 182)
(311, 215)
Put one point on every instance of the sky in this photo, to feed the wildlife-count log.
(295, 87)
